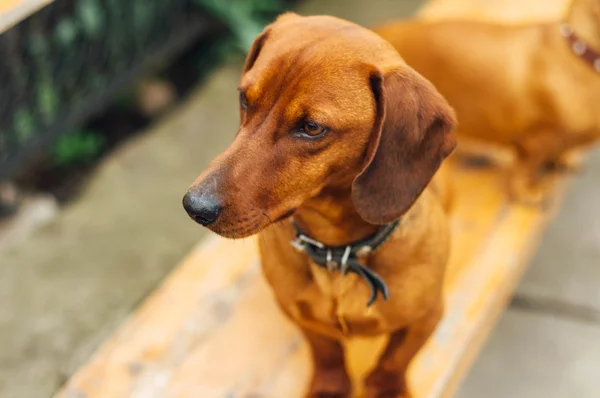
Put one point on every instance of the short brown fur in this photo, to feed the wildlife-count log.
(388, 131)
(519, 86)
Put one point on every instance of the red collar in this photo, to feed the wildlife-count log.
(579, 48)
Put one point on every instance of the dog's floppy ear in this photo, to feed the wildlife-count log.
(260, 40)
(257, 45)
(412, 135)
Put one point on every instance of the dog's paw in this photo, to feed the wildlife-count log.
(330, 383)
(535, 200)
(536, 195)
(384, 384)
(568, 163)
(386, 394)
(325, 394)
(476, 162)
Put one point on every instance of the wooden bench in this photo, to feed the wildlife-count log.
(213, 330)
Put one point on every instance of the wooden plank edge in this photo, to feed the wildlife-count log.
(105, 356)
(508, 272)
(462, 360)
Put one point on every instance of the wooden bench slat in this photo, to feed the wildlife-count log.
(213, 328)
(476, 301)
(187, 308)
(245, 352)
(479, 210)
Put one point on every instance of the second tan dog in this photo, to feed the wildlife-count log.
(338, 142)
(534, 88)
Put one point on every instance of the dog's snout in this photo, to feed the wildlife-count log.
(204, 209)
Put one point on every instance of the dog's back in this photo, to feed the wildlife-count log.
(480, 68)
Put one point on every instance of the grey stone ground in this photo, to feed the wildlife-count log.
(74, 281)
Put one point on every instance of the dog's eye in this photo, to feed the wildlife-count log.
(313, 129)
(243, 100)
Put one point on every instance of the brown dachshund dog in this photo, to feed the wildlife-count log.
(533, 88)
(338, 132)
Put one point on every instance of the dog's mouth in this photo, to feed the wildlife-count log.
(285, 215)
(253, 223)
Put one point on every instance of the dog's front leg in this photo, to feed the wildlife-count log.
(539, 155)
(388, 379)
(330, 378)
(570, 162)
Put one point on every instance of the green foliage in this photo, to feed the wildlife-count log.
(76, 147)
(47, 99)
(63, 60)
(66, 32)
(212, 52)
(91, 16)
(24, 124)
(246, 18)
(3, 141)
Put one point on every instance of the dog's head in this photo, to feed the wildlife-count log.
(323, 103)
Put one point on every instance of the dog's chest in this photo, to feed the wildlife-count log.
(343, 289)
(340, 305)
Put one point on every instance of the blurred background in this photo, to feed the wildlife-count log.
(110, 108)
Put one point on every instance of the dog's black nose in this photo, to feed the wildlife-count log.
(204, 209)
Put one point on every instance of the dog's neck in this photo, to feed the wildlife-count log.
(585, 24)
(331, 218)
